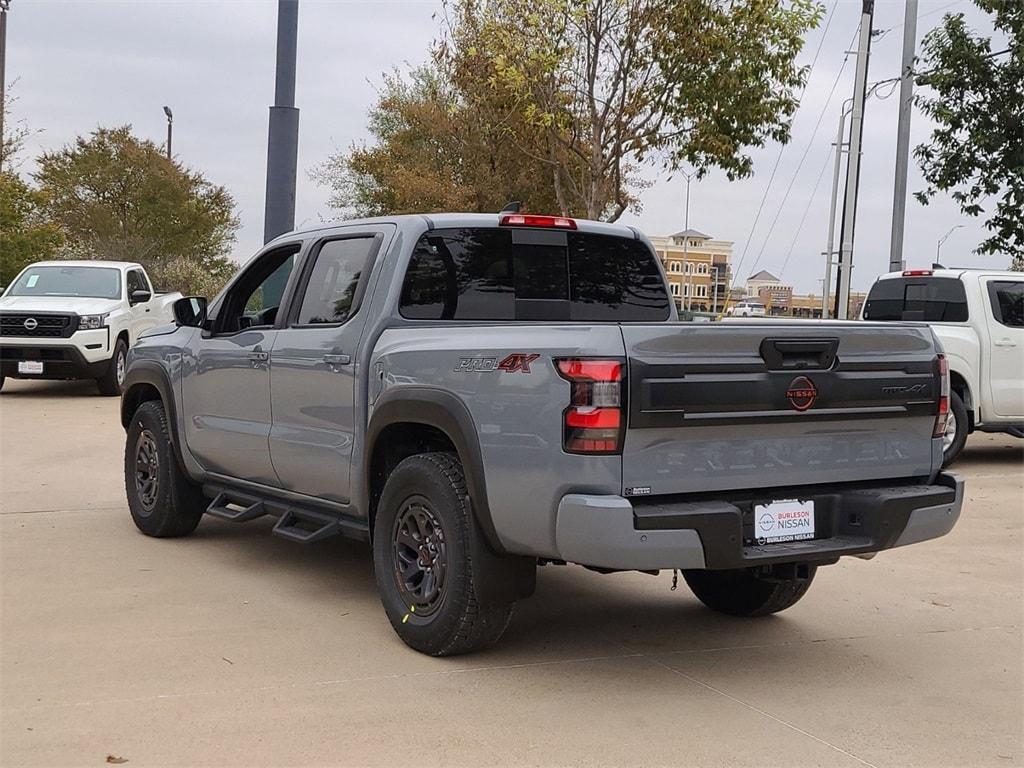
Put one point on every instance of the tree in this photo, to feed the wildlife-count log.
(25, 235)
(976, 151)
(118, 197)
(563, 101)
(436, 149)
(16, 133)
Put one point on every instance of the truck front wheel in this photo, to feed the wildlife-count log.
(422, 539)
(163, 500)
(110, 383)
(751, 591)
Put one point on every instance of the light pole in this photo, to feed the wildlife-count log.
(5, 6)
(686, 241)
(938, 245)
(170, 125)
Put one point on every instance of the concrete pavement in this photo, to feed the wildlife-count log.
(233, 647)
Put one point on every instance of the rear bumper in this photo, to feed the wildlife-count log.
(60, 361)
(618, 533)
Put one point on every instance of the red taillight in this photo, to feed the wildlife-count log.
(917, 273)
(530, 220)
(942, 369)
(593, 422)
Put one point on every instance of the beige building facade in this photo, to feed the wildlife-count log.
(698, 267)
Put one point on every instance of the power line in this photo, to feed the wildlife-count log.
(803, 157)
(882, 33)
(782, 149)
(803, 218)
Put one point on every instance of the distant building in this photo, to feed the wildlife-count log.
(780, 300)
(699, 269)
(763, 279)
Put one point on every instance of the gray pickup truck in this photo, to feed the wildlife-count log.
(478, 395)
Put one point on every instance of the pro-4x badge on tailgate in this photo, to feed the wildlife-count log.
(517, 362)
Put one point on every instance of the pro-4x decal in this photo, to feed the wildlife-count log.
(517, 362)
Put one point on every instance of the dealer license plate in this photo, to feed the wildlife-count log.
(30, 366)
(785, 520)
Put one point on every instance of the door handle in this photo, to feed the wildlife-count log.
(337, 360)
(1004, 343)
(257, 356)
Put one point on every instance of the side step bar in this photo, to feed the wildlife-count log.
(295, 522)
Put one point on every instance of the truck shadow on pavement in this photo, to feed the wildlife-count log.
(52, 389)
(574, 611)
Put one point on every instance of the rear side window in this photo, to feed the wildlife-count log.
(1007, 298)
(521, 274)
(931, 299)
(331, 289)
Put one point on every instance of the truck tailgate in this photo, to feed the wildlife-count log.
(761, 405)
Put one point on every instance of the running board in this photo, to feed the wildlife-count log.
(235, 509)
(306, 526)
(295, 522)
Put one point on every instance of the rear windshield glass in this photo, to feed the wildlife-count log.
(933, 299)
(519, 274)
(91, 282)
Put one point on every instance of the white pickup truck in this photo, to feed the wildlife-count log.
(978, 316)
(77, 320)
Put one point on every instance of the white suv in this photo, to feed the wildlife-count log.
(746, 308)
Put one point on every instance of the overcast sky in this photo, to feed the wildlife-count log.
(82, 64)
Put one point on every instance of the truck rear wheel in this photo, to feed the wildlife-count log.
(421, 558)
(163, 500)
(111, 382)
(957, 426)
(751, 591)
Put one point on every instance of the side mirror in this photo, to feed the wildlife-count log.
(190, 311)
(140, 297)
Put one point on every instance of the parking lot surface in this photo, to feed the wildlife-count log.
(233, 647)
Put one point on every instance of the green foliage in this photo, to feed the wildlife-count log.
(560, 102)
(25, 235)
(976, 152)
(436, 149)
(118, 197)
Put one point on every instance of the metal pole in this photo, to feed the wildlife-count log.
(899, 193)
(830, 249)
(845, 267)
(283, 135)
(170, 123)
(944, 238)
(4, 6)
(686, 247)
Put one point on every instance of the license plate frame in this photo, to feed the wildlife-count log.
(31, 367)
(784, 521)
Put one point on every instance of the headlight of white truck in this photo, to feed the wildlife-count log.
(90, 322)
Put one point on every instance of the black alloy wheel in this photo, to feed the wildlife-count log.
(420, 556)
(147, 471)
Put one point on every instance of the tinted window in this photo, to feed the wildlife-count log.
(136, 282)
(332, 284)
(255, 296)
(93, 282)
(932, 299)
(1007, 302)
(493, 274)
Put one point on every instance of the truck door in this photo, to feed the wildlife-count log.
(1003, 361)
(226, 372)
(142, 315)
(315, 378)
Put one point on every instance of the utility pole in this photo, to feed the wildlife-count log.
(845, 267)
(5, 6)
(899, 193)
(830, 250)
(170, 124)
(283, 137)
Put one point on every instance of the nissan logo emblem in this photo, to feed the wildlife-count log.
(801, 393)
(31, 323)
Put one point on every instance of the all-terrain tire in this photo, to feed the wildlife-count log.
(960, 426)
(745, 592)
(163, 500)
(424, 509)
(111, 382)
